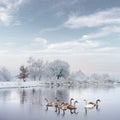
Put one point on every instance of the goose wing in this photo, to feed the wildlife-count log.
(89, 106)
(92, 103)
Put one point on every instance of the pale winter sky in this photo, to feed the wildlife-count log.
(85, 33)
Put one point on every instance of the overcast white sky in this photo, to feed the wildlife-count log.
(85, 33)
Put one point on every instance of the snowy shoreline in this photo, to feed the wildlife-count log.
(58, 83)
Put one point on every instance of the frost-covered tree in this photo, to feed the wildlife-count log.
(40, 67)
(79, 75)
(5, 75)
(58, 69)
(23, 73)
(46, 71)
(106, 77)
(32, 68)
(96, 76)
(35, 68)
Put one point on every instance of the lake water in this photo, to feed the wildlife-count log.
(29, 103)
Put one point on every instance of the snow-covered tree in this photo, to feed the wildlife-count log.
(46, 71)
(32, 68)
(79, 75)
(35, 68)
(103, 77)
(40, 67)
(95, 76)
(5, 75)
(58, 69)
(106, 77)
(23, 73)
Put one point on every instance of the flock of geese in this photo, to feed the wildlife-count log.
(62, 106)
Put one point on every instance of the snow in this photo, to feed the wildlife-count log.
(18, 84)
(58, 83)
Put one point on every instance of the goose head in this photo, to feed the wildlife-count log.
(98, 100)
(76, 101)
(71, 99)
(85, 101)
(46, 99)
(56, 98)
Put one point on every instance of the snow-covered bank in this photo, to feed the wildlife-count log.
(18, 84)
(58, 83)
(82, 83)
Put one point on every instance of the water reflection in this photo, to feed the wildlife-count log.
(97, 108)
(37, 96)
(30, 104)
(32, 96)
(63, 95)
(5, 95)
(22, 96)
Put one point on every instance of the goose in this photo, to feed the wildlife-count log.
(91, 104)
(60, 106)
(73, 107)
(64, 107)
(48, 103)
(56, 104)
(96, 103)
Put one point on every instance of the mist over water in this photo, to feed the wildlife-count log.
(29, 103)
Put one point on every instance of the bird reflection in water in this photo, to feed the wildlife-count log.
(96, 107)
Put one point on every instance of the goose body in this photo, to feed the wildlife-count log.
(57, 104)
(73, 106)
(60, 106)
(91, 104)
(48, 104)
(64, 107)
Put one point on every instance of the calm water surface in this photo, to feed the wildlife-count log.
(29, 103)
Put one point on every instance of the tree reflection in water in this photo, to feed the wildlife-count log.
(37, 96)
(32, 96)
(23, 95)
(29, 103)
(5, 95)
(62, 95)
